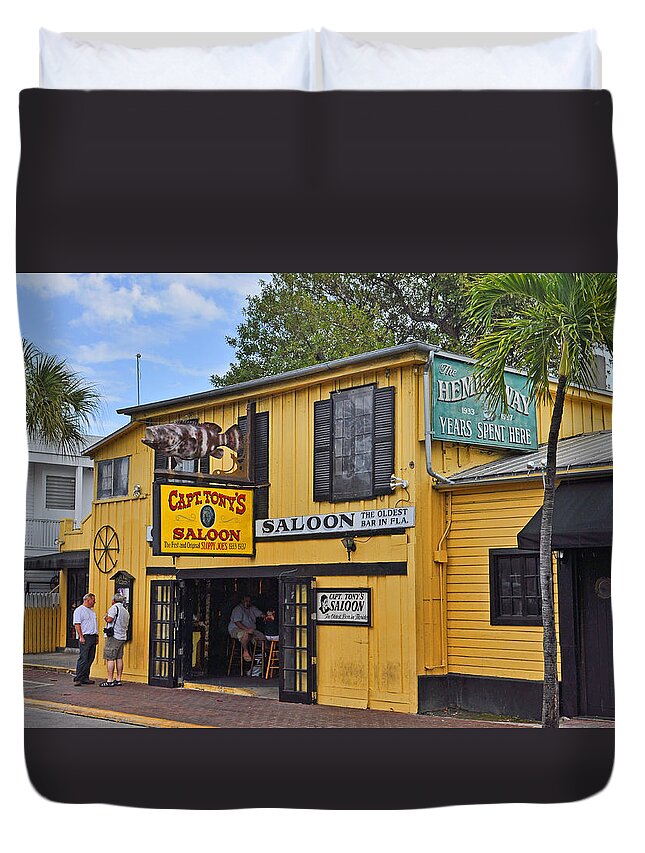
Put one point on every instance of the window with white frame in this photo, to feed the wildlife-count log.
(112, 477)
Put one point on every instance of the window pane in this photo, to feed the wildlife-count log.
(121, 475)
(104, 488)
(515, 577)
(353, 442)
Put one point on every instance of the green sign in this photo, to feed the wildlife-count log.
(459, 411)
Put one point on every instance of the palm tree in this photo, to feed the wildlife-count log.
(559, 320)
(59, 404)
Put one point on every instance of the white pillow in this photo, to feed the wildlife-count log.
(286, 62)
(565, 62)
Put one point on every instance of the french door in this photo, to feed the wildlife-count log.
(164, 668)
(297, 642)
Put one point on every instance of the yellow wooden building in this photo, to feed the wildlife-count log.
(389, 551)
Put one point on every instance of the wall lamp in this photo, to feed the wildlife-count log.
(349, 544)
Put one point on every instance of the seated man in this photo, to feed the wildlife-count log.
(242, 625)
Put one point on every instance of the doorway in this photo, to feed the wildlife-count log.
(207, 645)
(586, 635)
(77, 586)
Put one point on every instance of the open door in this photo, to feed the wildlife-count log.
(165, 650)
(297, 642)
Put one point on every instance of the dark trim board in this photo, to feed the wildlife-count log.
(303, 570)
(506, 697)
(167, 571)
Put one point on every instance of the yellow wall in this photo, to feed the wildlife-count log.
(431, 621)
(368, 667)
(485, 517)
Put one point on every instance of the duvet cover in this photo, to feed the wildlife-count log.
(328, 561)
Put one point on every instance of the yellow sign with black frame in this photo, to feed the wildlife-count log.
(205, 521)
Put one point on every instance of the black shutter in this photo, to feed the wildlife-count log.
(322, 450)
(160, 462)
(261, 448)
(205, 465)
(383, 439)
(260, 473)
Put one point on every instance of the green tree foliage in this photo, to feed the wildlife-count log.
(299, 319)
(59, 403)
(558, 319)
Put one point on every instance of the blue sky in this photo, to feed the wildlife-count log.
(99, 321)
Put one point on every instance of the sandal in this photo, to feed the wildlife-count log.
(117, 683)
(107, 684)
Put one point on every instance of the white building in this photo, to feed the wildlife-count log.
(58, 486)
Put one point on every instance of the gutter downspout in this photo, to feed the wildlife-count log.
(427, 422)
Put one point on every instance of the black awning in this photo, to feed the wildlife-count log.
(582, 517)
(59, 560)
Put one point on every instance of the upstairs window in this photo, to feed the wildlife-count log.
(515, 587)
(112, 478)
(354, 444)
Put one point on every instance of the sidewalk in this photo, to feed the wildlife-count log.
(158, 707)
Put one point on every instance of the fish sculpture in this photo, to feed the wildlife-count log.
(194, 441)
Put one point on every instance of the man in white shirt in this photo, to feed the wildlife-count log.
(87, 634)
(242, 625)
(118, 618)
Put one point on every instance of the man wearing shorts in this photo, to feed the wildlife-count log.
(118, 618)
(242, 625)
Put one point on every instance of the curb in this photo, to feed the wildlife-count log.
(113, 716)
(49, 666)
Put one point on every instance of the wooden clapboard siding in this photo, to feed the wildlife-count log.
(433, 620)
(385, 655)
(485, 518)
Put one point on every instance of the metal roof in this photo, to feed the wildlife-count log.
(241, 387)
(580, 451)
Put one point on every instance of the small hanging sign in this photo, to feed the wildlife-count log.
(344, 607)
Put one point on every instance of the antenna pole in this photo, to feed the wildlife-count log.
(138, 379)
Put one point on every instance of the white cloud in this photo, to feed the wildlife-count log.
(121, 299)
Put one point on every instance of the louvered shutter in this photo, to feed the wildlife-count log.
(161, 461)
(205, 465)
(322, 450)
(383, 439)
(261, 459)
(59, 492)
(260, 473)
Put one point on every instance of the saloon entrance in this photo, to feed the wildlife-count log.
(190, 644)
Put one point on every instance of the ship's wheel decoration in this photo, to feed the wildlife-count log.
(106, 549)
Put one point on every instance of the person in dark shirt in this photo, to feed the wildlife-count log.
(271, 630)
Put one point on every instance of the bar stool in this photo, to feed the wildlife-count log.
(234, 651)
(272, 660)
(258, 648)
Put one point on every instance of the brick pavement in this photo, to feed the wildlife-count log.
(225, 710)
(206, 708)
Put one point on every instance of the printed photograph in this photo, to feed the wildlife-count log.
(318, 500)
